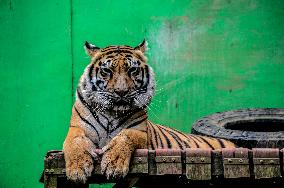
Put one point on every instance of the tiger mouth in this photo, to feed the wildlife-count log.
(121, 107)
(121, 102)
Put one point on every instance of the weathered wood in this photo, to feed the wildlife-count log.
(50, 181)
(236, 163)
(152, 164)
(217, 164)
(139, 162)
(177, 165)
(168, 161)
(50, 169)
(266, 163)
(198, 164)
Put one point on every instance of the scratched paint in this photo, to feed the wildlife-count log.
(209, 56)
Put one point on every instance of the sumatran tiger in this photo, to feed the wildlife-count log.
(110, 112)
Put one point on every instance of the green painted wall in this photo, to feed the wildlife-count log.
(208, 56)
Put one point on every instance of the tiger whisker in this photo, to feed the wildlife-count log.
(160, 91)
(149, 108)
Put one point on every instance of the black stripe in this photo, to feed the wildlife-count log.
(147, 74)
(197, 138)
(118, 51)
(91, 71)
(90, 109)
(174, 131)
(128, 116)
(151, 136)
(177, 139)
(179, 132)
(133, 113)
(204, 140)
(115, 47)
(136, 123)
(143, 74)
(105, 53)
(94, 88)
(127, 56)
(126, 46)
(124, 120)
(109, 48)
(166, 138)
(192, 139)
(221, 142)
(97, 70)
(158, 137)
(125, 51)
(110, 57)
(86, 121)
(154, 135)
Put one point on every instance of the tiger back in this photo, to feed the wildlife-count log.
(162, 137)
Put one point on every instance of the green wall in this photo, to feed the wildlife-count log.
(208, 56)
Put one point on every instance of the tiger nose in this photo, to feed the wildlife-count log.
(121, 93)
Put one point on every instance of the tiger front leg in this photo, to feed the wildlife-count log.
(118, 152)
(79, 154)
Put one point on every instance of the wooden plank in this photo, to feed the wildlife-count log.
(236, 163)
(266, 163)
(198, 164)
(168, 161)
(207, 165)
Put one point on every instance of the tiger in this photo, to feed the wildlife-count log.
(110, 112)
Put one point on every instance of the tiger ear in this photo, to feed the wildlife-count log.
(91, 49)
(143, 46)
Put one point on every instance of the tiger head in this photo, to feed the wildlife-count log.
(118, 78)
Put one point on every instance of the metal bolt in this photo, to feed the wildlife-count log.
(192, 160)
(261, 161)
(164, 159)
(271, 161)
(241, 161)
(173, 159)
(63, 170)
(51, 170)
(202, 159)
(46, 170)
(230, 160)
(139, 159)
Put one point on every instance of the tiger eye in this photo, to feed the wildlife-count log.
(133, 71)
(105, 72)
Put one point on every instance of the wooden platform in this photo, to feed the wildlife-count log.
(184, 168)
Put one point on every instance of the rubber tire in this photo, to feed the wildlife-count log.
(215, 126)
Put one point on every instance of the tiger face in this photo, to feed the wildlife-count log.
(118, 78)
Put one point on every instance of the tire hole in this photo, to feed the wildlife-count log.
(257, 125)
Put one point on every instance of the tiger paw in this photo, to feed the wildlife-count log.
(80, 168)
(116, 159)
